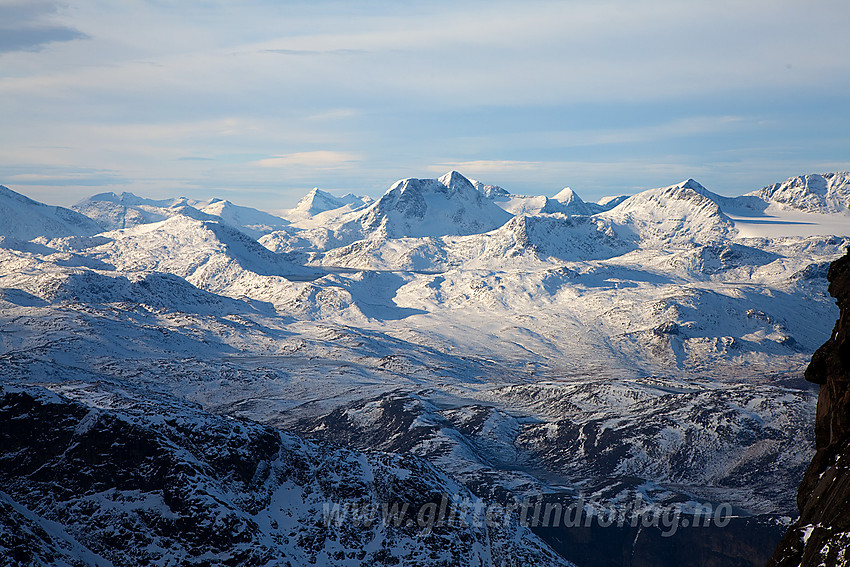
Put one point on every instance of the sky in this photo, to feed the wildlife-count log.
(259, 101)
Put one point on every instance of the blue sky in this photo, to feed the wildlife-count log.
(259, 101)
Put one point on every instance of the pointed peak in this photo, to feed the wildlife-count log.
(691, 184)
(567, 195)
(311, 196)
(317, 201)
(454, 180)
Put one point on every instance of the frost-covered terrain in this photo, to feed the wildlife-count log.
(515, 345)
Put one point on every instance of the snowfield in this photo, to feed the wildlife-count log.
(650, 344)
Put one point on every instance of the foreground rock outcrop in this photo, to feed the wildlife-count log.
(97, 475)
(821, 536)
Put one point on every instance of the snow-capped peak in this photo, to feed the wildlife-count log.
(681, 214)
(691, 184)
(317, 201)
(572, 204)
(826, 193)
(456, 182)
(433, 207)
(567, 195)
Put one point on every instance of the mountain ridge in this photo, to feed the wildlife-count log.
(25, 219)
(653, 349)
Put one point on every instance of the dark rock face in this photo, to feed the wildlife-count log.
(106, 477)
(822, 534)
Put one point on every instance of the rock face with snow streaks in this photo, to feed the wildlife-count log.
(827, 193)
(129, 481)
(821, 535)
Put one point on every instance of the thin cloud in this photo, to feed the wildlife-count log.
(321, 159)
(599, 94)
(64, 179)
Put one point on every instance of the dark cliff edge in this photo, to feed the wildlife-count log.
(821, 536)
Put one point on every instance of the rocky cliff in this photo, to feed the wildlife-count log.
(98, 475)
(821, 536)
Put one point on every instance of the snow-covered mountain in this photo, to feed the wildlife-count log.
(318, 201)
(210, 255)
(647, 346)
(113, 211)
(490, 191)
(573, 204)
(828, 193)
(672, 216)
(23, 219)
(521, 241)
(566, 202)
(428, 207)
(252, 222)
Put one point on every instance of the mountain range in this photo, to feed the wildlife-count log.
(448, 337)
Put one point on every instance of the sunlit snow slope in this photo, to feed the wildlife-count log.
(650, 344)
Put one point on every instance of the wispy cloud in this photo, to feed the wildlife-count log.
(601, 94)
(58, 176)
(321, 159)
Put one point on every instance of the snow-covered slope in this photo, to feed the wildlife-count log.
(490, 191)
(654, 348)
(127, 210)
(210, 255)
(318, 201)
(573, 204)
(140, 479)
(432, 207)
(558, 236)
(673, 216)
(522, 241)
(526, 205)
(113, 211)
(611, 201)
(23, 219)
(565, 202)
(827, 193)
(252, 222)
